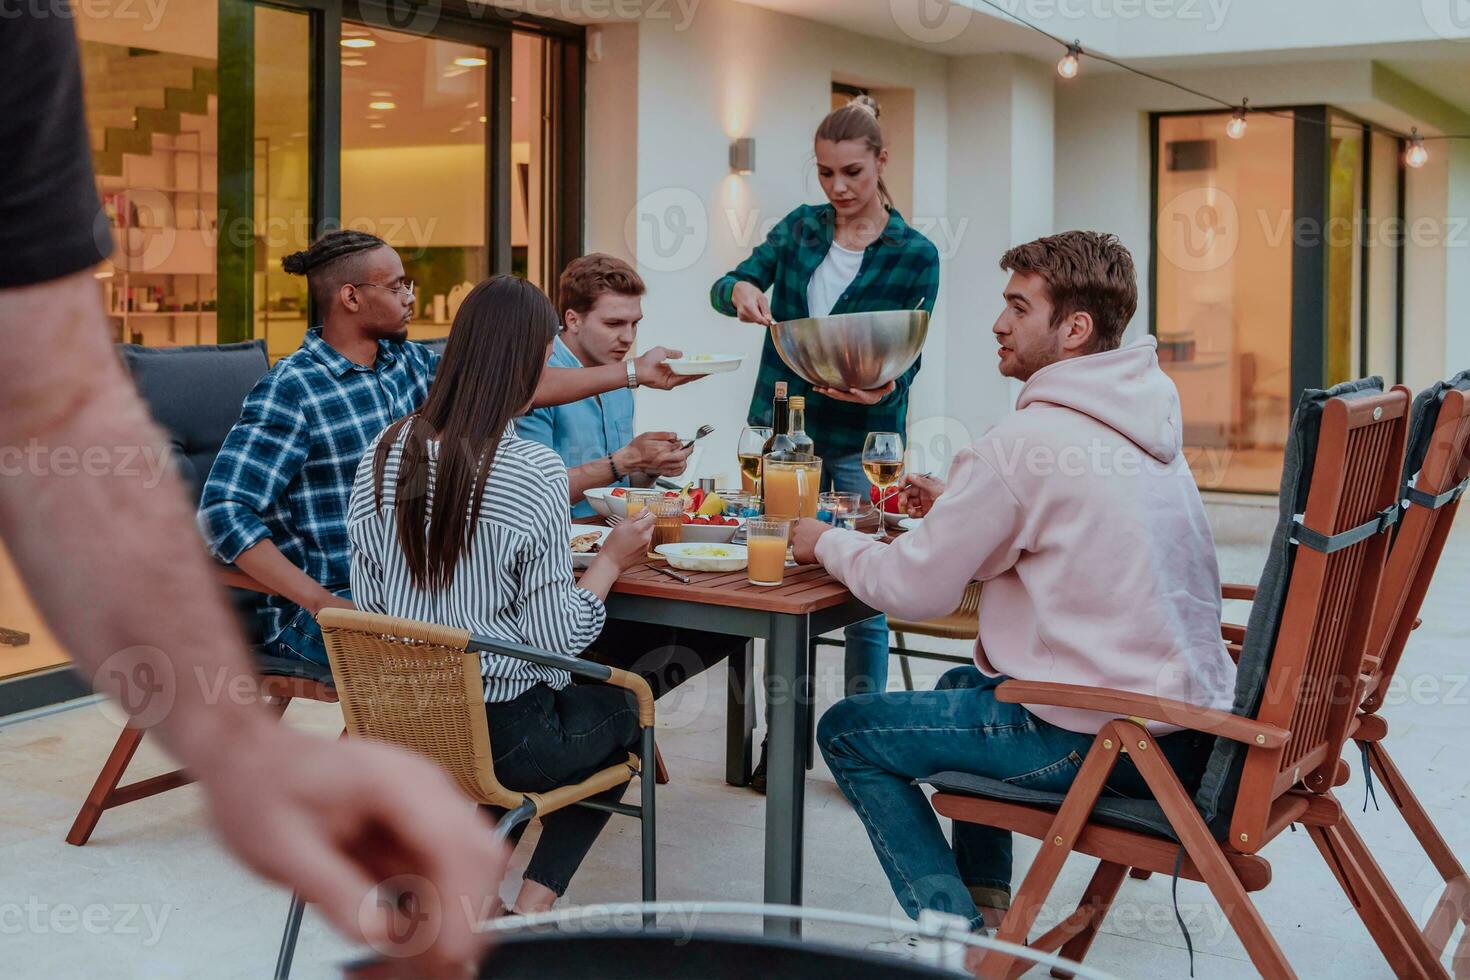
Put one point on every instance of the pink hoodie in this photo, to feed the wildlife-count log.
(1080, 515)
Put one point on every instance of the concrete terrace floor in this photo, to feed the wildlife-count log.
(180, 907)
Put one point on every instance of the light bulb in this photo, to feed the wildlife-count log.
(1067, 67)
(1235, 128)
(1417, 156)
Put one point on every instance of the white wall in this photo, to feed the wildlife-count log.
(735, 70)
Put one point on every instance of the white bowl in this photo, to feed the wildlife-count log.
(705, 364)
(585, 559)
(709, 533)
(894, 520)
(599, 498)
(911, 523)
(695, 557)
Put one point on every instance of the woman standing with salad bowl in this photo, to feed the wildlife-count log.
(853, 254)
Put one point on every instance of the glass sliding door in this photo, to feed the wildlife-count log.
(1343, 240)
(1222, 291)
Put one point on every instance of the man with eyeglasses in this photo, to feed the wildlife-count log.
(275, 503)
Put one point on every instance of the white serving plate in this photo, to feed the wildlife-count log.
(709, 533)
(583, 560)
(687, 556)
(708, 364)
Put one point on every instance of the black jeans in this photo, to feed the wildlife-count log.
(545, 739)
(662, 655)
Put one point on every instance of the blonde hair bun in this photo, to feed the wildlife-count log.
(867, 102)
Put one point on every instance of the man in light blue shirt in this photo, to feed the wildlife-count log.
(601, 305)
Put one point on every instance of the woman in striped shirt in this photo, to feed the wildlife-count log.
(454, 520)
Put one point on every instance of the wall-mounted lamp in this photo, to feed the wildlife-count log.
(742, 155)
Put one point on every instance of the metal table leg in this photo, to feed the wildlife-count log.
(788, 703)
(740, 717)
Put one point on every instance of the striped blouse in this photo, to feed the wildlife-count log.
(513, 582)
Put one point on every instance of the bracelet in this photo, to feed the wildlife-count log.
(632, 373)
(612, 464)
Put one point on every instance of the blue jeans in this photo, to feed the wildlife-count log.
(877, 744)
(865, 666)
(301, 637)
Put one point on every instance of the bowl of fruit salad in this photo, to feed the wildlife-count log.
(708, 520)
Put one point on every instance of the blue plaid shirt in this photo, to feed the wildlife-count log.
(285, 471)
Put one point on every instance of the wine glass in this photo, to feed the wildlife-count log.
(883, 466)
(752, 445)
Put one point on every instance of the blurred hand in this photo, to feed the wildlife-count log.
(918, 494)
(336, 819)
(752, 304)
(660, 453)
(654, 373)
(804, 539)
(628, 543)
(872, 397)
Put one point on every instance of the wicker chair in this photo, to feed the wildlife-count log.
(962, 624)
(418, 685)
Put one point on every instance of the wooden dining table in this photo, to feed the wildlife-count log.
(808, 603)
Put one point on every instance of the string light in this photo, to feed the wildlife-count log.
(1416, 156)
(1235, 128)
(1067, 67)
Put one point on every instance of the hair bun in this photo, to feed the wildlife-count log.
(295, 263)
(867, 102)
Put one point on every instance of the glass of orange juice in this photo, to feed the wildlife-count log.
(765, 543)
(640, 499)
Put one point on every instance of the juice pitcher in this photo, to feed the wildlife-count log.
(792, 482)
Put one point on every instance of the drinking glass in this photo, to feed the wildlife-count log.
(752, 446)
(883, 465)
(640, 499)
(844, 508)
(668, 519)
(765, 543)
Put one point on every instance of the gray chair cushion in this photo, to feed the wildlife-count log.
(1422, 418)
(1216, 795)
(1145, 816)
(195, 394)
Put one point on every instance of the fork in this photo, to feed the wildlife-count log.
(704, 430)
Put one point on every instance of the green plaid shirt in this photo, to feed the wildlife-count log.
(899, 268)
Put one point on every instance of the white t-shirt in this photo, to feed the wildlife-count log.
(831, 279)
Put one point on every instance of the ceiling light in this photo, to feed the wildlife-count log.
(482, 119)
(467, 61)
(382, 105)
(472, 105)
(381, 94)
(353, 63)
(359, 42)
(455, 72)
(377, 125)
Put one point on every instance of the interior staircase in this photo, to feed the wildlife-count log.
(132, 94)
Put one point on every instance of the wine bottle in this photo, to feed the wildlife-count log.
(779, 441)
(802, 443)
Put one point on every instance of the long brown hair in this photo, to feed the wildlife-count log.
(491, 365)
(858, 120)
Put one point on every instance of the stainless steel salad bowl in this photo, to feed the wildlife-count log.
(852, 351)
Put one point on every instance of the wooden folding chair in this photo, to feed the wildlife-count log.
(1440, 456)
(1277, 754)
(418, 685)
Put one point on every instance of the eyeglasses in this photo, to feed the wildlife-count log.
(404, 289)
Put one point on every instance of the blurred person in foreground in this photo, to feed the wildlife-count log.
(118, 571)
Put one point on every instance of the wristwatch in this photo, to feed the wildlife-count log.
(632, 373)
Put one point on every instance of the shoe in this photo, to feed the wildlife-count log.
(758, 774)
(947, 954)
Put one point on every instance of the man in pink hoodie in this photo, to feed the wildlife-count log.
(1079, 513)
